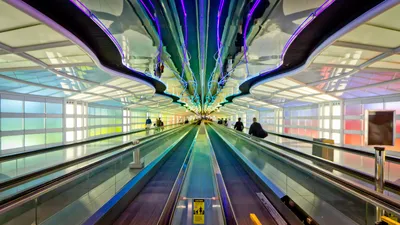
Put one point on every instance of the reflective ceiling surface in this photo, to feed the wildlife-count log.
(207, 49)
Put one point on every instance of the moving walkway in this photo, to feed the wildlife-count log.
(232, 178)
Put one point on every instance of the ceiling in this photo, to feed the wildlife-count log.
(199, 43)
(36, 60)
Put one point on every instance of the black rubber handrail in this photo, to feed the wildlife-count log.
(118, 203)
(362, 192)
(31, 193)
(352, 150)
(43, 150)
(36, 174)
(347, 170)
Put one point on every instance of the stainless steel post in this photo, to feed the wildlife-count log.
(380, 156)
(136, 164)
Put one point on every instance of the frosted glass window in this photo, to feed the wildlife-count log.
(53, 123)
(92, 111)
(353, 110)
(11, 106)
(54, 108)
(34, 123)
(8, 124)
(326, 124)
(70, 123)
(326, 110)
(336, 110)
(79, 109)
(326, 134)
(52, 138)
(373, 106)
(10, 142)
(336, 138)
(70, 109)
(79, 122)
(79, 135)
(336, 124)
(98, 111)
(34, 107)
(70, 136)
(34, 139)
(393, 106)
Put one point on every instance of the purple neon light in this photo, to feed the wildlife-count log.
(221, 6)
(147, 9)
(186, 29)
(245, 32)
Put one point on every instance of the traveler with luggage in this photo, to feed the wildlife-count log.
(257, 130)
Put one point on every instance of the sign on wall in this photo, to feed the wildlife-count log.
(380, 127)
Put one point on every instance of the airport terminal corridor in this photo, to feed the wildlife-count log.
(216, 112)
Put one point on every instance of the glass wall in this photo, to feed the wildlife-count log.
(28, 123)
(312, 121)
(354, 119)
(104, 120)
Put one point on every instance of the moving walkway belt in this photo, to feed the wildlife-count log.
(142, 201)
(340, 197)
(246, 195)
(34, 175)
(19, 206)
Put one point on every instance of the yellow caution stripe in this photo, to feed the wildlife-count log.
(254, 219)
(389, 221)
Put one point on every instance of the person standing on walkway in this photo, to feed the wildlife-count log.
(239, 125)
(148, 123)
(257, 130)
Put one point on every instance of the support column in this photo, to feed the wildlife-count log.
(380, 156)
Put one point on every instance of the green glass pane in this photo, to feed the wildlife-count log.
(53, 108)
(118, 129)
(104, 130)
(34, 107)
(34, 139)
(92, 132)
(9, 124)
(10, 142)
(98, 111)
(52, 138)
(11, 106)
(52, 123)
(34, 123)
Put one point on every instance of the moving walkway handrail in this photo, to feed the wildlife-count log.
(120, 201)
(37, 173)
(34, 192)
(10, 156)
(170, 206)
(342, 168)
(361, 192)
(352, 150)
